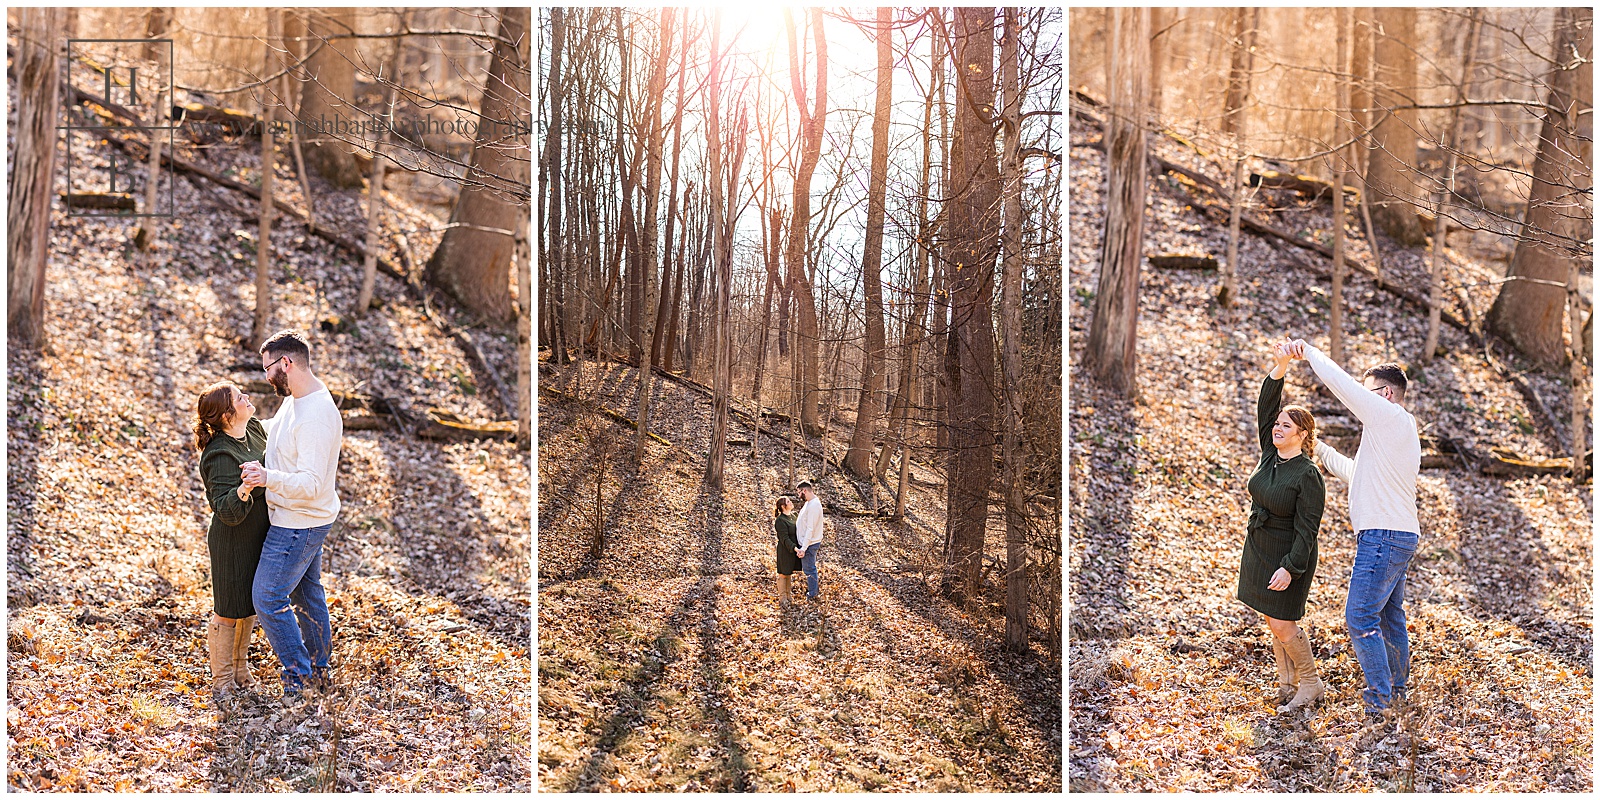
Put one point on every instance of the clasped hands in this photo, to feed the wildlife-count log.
(1289, 349)
(252, 474)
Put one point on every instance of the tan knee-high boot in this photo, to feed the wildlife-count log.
(1286, 681)
(219, 640)
(783, 591)
(1305, 671)
(242, 631)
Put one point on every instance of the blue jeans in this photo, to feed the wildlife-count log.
(290, 603)
(1376, 615)
(808, 562)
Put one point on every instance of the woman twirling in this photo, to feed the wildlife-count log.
(1280, 547)
(783, 524)
(227, 435)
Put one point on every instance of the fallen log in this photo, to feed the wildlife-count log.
(1509, 463)
(445, 425)
(1311, 188)
(110, 201)
(1177, 261)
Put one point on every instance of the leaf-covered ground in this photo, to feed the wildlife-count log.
(1169, 673)
(666, 664)
(108, 586)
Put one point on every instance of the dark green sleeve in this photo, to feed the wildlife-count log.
(786, 531)
(1307, 519)
(1267, 409)
(220, 471)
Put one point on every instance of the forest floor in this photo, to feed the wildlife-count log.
(666, 664)
(108, 592)
(1169, 674)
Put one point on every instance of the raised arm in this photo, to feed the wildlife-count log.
(1271, 397)
(1368, 406)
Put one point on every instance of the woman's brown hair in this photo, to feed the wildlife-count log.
(211, 412)
(1301, 416)
(777, 505)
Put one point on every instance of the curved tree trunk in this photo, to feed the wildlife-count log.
(858, 459)
(473, 260)
(1560, 214)
(33, 170)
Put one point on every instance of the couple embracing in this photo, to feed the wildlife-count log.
(1287, 495)
(270, 486)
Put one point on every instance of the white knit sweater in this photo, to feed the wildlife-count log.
(1383, 475)
(302, 459)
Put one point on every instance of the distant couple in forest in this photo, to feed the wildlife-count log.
(799, 541)
(271, 489)
(1287, 495)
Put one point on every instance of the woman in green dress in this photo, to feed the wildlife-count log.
(1280, 546)
(783, 524)
(227, 434)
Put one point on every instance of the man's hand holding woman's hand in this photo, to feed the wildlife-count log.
(252, 474)
(799, 552)
(1280, 580)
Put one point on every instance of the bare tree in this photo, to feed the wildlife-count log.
(858, 459)
(1529, 308)
(655, 133)
(812, 121)
(329, 86)
(369, 272)
(1013, 456)
(1392, 170)
(33, 171)
(262, 322)
(473, 260)
(1234, 110)
(970, 250)
(1112, 353)
(1447, 188)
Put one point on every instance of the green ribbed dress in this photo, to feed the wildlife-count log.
(238, 527)
(1285, 512)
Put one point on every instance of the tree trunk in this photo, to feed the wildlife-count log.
(262, 322)
(1392, 171)
(1014, 456)
(33, 170)
(662, 340)
(1447, 189)
(1577, 368)
(473, 260)
(553, 165)
(522, 257)
(369, 272)
(973, 241)
(1559, 217)
(912, 336)
(858, 459)
(656, 135)
(676, 307)
(812, 126)
(1234, 114)
(1338, 164)
(1361, 118)
(1112, 349)
(719, 247)
(329, 87)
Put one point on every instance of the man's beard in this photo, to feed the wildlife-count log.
(280, 384)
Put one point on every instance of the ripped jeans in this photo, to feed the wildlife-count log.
(1376, 615)
(290, 603)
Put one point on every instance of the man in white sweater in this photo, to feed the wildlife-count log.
(1383, 510)
(301, 462)
(808, 532)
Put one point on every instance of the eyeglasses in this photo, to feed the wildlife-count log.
(268, 368)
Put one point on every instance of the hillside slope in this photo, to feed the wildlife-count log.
(665, 664)
(1168, 671)
(108, 586)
